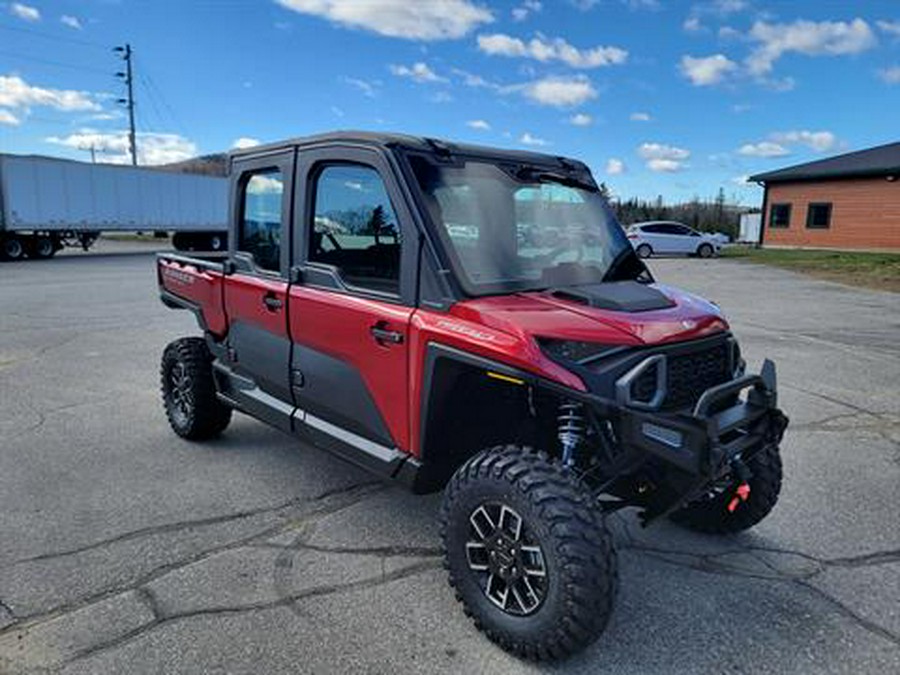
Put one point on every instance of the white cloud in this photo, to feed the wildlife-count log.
(17, 93)
(418, 72)
(559, 91)
(25, 12)
(890, 75)
(742, 181)
(890, 27)
(706, 71)
(71, 21)
(524, 10)
(824, 38)
(480, 125)
(820, 141)
(764, 149)
(614, 166)
(528, 139)
(244, 142)
(663, 158)
(777, 144)
(556, 49)
(692, 25)
(6, 117)
(728, 33)
(369, 89)
(581, 120)
(424, 20)
(153, 148)
(640, 117)
(473, 80)
(724, 7)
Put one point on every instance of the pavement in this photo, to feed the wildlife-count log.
(126, 549)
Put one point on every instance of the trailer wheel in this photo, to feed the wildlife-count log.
(216, 242)
(13, 248)
(528, 553)
(41, 248)
(189, 391)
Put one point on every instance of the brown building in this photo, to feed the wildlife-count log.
(850, 201)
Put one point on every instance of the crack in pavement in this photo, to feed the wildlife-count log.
(322, 505)
(712, 563)
(177, 526)
(317, 591)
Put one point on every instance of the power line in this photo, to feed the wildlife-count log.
(59, 64)
(55, 38)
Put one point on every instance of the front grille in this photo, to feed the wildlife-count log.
(688, 376)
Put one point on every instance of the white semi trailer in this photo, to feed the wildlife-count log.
(47, 203)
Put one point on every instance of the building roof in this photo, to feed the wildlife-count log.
(879, 161)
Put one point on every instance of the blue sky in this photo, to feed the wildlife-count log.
(660, 97)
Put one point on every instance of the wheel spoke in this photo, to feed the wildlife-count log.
(533, 561)
(500, 596)
(477, 555)
(509, 518)
(482, 522)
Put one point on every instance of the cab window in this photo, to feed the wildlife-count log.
(356, 229)
(260, 226)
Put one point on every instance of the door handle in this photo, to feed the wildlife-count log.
(384, 336)
(272, 302)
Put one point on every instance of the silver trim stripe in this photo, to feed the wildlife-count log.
(381, 452)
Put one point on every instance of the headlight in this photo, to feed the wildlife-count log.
(570, 350)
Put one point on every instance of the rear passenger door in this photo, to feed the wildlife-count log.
(351, 303)
(258, 342)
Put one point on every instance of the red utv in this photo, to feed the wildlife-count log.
(475, 320)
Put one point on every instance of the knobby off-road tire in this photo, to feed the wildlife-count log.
(711, 515)
(189, 392)
(560, 534)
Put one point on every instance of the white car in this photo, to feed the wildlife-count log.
(664, 237)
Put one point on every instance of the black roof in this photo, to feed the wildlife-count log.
(389, 139)
(879, 161)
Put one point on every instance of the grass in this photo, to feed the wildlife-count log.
(869, 270)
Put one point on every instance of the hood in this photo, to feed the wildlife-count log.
(553, 315)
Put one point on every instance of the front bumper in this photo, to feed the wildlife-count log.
(721, 427)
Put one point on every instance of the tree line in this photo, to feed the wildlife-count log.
(715, 215)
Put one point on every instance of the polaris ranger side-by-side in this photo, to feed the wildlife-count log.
(475, 320)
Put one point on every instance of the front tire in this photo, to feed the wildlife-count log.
(528, 553)
(705, 251)
(189, 391)
(711, 515)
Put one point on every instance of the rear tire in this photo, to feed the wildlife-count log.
(705, 250)
(41, 248)
(644, 251)
(13, 249)
(189, 391)
(711, 515)
(216, 242)
(528, 553)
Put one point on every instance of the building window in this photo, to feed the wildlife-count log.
(356, 228)
(818, 216)
(260, 227)
(780, 215)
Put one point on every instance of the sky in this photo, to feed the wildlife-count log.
(660, 97)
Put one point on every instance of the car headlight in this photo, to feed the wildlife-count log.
(572, 350)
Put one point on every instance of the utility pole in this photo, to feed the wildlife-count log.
(128, 102)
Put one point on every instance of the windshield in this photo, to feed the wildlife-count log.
(514, 228)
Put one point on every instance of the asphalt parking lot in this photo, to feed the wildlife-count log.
(127, 550)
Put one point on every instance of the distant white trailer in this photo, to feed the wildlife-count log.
(750, 228)
(47, 203)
